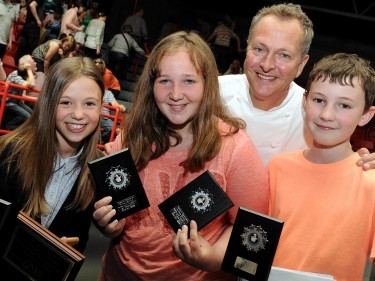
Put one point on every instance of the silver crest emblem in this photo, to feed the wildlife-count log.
(254, 238)
(117, 178)
(201, 200)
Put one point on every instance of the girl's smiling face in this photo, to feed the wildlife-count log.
(77, 114)
(178, 90)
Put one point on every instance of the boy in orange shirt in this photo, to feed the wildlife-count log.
(325, 199)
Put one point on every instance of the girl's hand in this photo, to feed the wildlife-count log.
(104, 214)
(196, 251)
(70, 240)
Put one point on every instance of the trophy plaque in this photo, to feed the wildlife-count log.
(35, 253)
(201, 200)
(116, 175)
(252, 245)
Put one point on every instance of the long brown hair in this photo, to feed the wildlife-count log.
(147, 133)
(34, 143)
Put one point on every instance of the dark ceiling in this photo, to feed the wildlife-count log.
(352, 20)
(348, 26)
(359, 9)
(348, 18)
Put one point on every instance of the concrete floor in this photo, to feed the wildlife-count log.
(369, 273)
(96, 247)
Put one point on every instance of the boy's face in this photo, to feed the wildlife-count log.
(333, 111)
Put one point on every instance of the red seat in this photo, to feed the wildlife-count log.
(9, 64)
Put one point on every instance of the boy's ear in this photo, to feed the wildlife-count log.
(304, 100)
(367, 116)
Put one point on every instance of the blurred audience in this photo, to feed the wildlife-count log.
(52, 51)
(234, 68)
(95, 36)
(121, 47)
(110, 81)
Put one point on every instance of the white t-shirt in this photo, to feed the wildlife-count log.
(7, 17)
(279, 129)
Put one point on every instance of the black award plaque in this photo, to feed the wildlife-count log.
(252, 245)
(116, 175)
(201, 200)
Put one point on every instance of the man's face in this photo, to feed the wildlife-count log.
(273, 60)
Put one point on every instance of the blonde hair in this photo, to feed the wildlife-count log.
(100, 64)
(73, 44)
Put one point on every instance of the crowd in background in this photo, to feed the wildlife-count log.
(50, 30)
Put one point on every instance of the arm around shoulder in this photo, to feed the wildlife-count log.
(367, 160)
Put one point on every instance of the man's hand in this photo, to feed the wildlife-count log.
(367, 160)
(9, 46)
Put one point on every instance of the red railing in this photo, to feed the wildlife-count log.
(4, 94)
(118, 120)
(118, 116)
